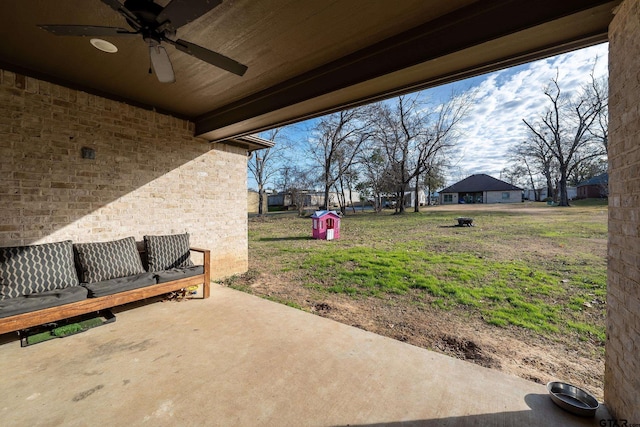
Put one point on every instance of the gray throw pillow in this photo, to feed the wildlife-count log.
(108, 260)
(170, 251)
(25, 270)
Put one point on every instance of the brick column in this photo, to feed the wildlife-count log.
(622, 372)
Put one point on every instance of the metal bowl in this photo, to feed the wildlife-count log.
(573, 399)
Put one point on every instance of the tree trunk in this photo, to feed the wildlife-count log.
(260, 201)
(533, 185)
(550, 193)
(326, 196)
(416, 201)
(342, 203)
(564, 196)
(400, 201)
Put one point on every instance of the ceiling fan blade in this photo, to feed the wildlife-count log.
(181, 12)
(209, 56)
(86, 30)
(161, 64)
(130, 16)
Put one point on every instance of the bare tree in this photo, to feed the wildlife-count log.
(532, 160)
(365, 191)
(344, 186)
(265, 164)
(285, 177)
(567, 128)
(517, 175)
(434, 178)
(300, 182)
(414, 136)
(600, 130)
(375, 170)
(338, 138)
(587, 170)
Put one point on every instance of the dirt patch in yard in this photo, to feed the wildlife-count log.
(515, 351)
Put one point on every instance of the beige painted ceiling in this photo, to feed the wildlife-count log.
(304, 57)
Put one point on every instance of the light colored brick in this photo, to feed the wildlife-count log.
(622, 396)
(150, 175)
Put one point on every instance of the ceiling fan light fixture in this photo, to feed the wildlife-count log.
(103, 45)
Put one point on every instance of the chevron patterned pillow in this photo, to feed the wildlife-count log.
(26, 270)
(108, 260)
(170, 251)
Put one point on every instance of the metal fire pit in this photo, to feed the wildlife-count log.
(464, 221)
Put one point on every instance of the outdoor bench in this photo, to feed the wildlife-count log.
(54, 281)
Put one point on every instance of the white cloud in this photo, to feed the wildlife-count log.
(506, 97)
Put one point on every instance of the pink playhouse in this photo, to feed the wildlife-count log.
(326, 225)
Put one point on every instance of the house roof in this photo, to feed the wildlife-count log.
(596, 180)
(480, 182)
(304, 58)
(251, 142)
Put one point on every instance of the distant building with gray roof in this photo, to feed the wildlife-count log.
(481, 188)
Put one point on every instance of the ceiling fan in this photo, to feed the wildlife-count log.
(156, 25)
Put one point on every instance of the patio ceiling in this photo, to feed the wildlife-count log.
(304, 58)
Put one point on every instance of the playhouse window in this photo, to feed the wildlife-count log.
(315, 224)
(330, 223)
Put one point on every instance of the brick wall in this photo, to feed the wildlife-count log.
(622, 372)
(149, 175)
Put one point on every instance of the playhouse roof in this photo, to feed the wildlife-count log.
(320, 214)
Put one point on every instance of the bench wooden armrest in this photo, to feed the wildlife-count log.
(199, 250)
(206, 286)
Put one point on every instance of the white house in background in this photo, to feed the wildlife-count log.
(388, 200)
(313, 198)
(481, 188)
(410, 197)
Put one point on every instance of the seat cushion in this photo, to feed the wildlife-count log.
(167, 252)
(179, 273)
(41, 300)
(120, 284)
(32, 269)
(102, 261)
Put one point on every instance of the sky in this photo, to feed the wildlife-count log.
(503, 99)
(495, 124)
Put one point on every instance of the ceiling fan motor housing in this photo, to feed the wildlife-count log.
(146, 10)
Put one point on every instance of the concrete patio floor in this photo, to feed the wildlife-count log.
(238, 360)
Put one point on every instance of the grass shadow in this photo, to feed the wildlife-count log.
(279, 239)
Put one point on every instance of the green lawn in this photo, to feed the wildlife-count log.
(528, 265)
